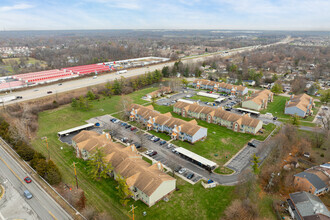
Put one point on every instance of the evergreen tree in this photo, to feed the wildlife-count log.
(166, 71)
(117, 87)
(41, 167)
(53, 174)
(90, 95)
(255, 164)
(74, 103)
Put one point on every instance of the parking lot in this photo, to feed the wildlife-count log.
(243, 157)
(142, 139)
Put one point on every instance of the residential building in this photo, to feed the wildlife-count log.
(258, 100)
(220, 87)
(160, 92)
(148, 183)
(177, 128)
(306, 206)
(238, 123)
(249, 82)
(315, 180)
(300, 105)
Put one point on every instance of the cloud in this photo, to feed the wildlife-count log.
(127, 4)
(21, 6)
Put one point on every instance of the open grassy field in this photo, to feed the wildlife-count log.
(31, 60)
(189, 202)
(202, 98)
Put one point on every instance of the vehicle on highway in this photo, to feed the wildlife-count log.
(190, 176)
(94, 77)
(36, 90)
(133, 128)
(60, 84)
(27, 179)
(162, 142)
(128, 126)
(19, 97)
(156, 139)
(49, 92)
(27, 194)
(252, 144)
(182, 170)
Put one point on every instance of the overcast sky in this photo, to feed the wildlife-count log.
(165, 14)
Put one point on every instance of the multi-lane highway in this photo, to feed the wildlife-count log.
(41, 206)
(38, 92)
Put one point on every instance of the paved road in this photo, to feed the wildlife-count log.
(31, 93)
(41, 204)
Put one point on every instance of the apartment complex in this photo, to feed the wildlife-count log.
(300, 105)
(220, 87)
(315, 180)
(177, 128)
(160, 92)
(238, 123)
(258, 101)
(148, 183)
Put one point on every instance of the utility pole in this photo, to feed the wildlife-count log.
(75, 173)
(45, 138)
(132, 210)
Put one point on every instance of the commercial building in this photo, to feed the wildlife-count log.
(300, 105)
(148, 183)
(258, 100)
(220, 87)
(238, 123)
(306, 206)
(177, 128)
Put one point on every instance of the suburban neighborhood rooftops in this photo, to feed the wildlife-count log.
(301, 101)
(308, 204)
(259, 97)
(313, 179)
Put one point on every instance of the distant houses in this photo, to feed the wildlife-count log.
(148, 183)
(220, 87)
(238, 123)
(306, 206)
(258, 100)
(176, 128)
(315, 180)
(300, 105)
(160, 92)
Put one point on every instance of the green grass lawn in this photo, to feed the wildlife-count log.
(163, 136)
(223, 170)
(190, 202)
(277, 108)
(202, 98)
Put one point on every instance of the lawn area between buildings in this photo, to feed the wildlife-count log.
(202, 98)
(278, 105)
(189, 202)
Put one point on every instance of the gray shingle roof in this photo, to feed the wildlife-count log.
(308, 204)
(313, 179)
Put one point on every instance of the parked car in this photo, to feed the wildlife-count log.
(128, 126)
(319, 117)
(275, 118)
(228, 109)
(173, 150)
(177, 169)
(251, 144)
(169, 145)
(133, 128)
(182, 170)
(27, 179)
(156, 139)
(124, 139)
(162, 142)
(137, 145)
(190, 176)
(152, 138)
(148, 152)
(153, 153)
(116, 121)
(27, 194)
(325, 108)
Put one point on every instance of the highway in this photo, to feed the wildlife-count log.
(38, 92)
(41, 206)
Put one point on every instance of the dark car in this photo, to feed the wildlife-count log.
(27, 179)
(19, 97)
(153, 153)
(128, 126)
(162, 142)
(252, 144)
(190, 176)
(123, 124)
(137, 145)
(150, 137)
(228, 109)
(156, 139)
(275, 118)
(177, 169)
(49, 92)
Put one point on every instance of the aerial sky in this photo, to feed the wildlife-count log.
(165, 14)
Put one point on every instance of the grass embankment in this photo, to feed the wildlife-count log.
(190, 202)
(202, 98)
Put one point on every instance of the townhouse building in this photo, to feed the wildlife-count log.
(220, 87)
(300, 105)
(238, 123)
(259, 100)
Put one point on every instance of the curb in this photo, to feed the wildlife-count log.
(3, 191)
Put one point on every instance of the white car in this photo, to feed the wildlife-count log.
(148, 152)
(169, 145)
(153, 138)
(182, 170)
